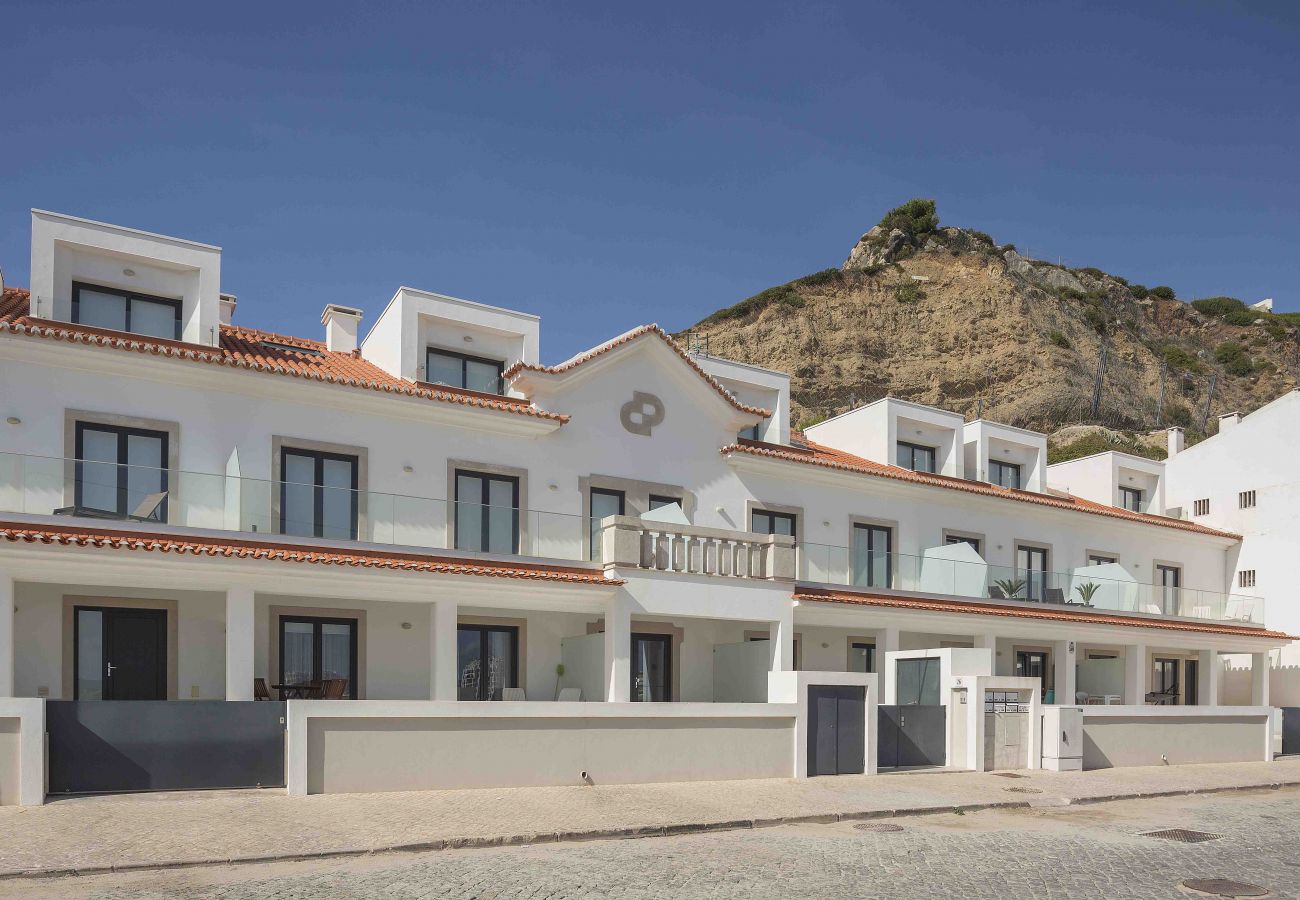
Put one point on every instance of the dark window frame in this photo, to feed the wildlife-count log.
(123, 432)
(591, 513)
(1032, 595)
(483, 631)
(976, 543)
(318, 483)
(995, 464)
(104, 649)
(868, 646)
(1126, 495)
(1162, 665)
(485, 525)
(911, 452)
(128, 296)
(872, 530)
(317, 643)
(663, 500)
(774, 516)
(1022, 661)
(465, 359)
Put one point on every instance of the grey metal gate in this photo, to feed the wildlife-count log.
(105, 746)
(1290, 730)
(836, 729)
(911, 736)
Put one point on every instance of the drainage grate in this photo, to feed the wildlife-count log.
(1182, 835)
(1010, 775)
(879, 827)
(1222, 887)
(1020, 790)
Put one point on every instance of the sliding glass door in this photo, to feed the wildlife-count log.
(487, 661)
(314, 649)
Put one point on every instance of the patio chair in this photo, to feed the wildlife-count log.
(569, 695)
(334, 689)
(260, 690)
(995, 593)
(513, 694)
(1054, 595)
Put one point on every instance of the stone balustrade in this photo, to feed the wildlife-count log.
(630, 542)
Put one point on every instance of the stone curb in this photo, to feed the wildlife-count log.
(598, 834)
(508, 840)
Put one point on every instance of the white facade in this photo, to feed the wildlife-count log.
(516, 514)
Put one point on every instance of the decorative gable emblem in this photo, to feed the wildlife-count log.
(642, 413)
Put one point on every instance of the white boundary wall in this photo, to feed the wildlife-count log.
(374, 745)
(22, 751)
(1115, 736)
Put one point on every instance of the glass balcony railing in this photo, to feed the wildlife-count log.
(1106, 588)
(41, 485)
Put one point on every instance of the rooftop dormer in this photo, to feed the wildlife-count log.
(121, 279)
(754, 386)
(433, 338)
(898, 433)
(1005, 455)
(1118, 479)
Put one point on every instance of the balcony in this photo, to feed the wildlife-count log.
(1100, 588)
(142, 496)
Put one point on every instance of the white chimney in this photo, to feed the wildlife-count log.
(1176, 439)
(341, 326)
(1229, 420)
(226, 307)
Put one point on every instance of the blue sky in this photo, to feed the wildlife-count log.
(605, 165)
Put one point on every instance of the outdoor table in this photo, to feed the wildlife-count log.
(293, 691)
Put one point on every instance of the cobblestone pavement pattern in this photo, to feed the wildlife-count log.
(99, 832)
(1076, 852)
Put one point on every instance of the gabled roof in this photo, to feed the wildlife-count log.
(624, 340)
(235, 548)
(243, 348)
(807, 452)
(1044, 612)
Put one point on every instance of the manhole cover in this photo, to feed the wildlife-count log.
(1020, 790)
(1010, 775)
(1182, 835)
(879, 827)
(1222, 887)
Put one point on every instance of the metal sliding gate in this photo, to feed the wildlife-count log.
(836, 729)
(911, 736)
(105, 746)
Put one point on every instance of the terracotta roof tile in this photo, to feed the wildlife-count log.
(627, 338)
(234, 548)
(807, 452)
(244, 348)
(1047, 613)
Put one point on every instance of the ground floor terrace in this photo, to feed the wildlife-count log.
(456, 672)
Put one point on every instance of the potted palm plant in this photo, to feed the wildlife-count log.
(1086, 592)
(1010, 587)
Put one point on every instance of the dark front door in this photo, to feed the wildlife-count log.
(651, 667)
(120, 654)
(836, 729)
(1032, 664)
(911, 736)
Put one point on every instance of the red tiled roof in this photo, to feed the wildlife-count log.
(243, 348)
(628, 338)
(234, 548)
(810, 453)
(821, 595)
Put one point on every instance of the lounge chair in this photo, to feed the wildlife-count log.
(1054, 595)
(145, 511)
(260, 690)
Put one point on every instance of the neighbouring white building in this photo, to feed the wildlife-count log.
(624, 567)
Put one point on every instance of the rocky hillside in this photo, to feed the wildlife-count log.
(946, 316)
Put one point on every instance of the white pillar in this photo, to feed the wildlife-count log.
(886, 642)
(1208, 667)
(1064, 660)
(1259, 679)
(6, 635)
(781, 643)
(443, 662)
(1135, 674)
(239, 643)
(618, 650)
(987, 642)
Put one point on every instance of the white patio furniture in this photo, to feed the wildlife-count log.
(570, 694)
(513, 694)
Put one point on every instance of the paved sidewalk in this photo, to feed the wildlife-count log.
(89, 834)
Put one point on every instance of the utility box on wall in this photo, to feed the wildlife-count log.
(1063, 738)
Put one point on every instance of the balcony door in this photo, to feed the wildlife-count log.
(487, 512)
(1032, 664)
(318, 494)
(1168, 581)
(487, 661)
(651, 667)
(117, 469)
(604, 503)
(1031, 568)
(119, 653)
(872, 556)
(313, 649)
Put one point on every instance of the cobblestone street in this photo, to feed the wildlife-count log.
(1078, 851)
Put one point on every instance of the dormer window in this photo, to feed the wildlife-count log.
(117, 310)
(1005, 474)
(916, 457)
(1131, 498)
(459, 370)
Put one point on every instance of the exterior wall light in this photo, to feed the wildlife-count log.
(408, 469)
(14, 420)
(129, 273)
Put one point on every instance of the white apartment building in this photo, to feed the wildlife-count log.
(624, 567)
